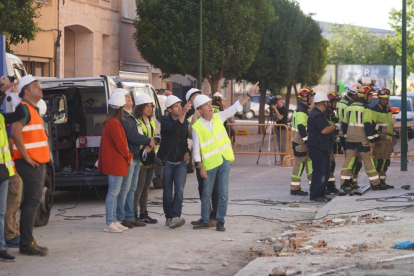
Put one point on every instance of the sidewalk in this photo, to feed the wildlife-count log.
(361, 229)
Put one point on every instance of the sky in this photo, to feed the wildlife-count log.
(366, 13)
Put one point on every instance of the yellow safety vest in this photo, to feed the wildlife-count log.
(5, 156)
(148, 132)
(213, 146)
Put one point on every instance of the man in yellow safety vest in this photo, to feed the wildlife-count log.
(212, 153)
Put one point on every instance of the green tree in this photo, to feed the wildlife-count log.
(352, 45)
(276, 63)
(396, 24)
(167, 35)
(17, 20)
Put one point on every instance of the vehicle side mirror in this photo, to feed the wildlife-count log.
(395, 110)
(59, 109)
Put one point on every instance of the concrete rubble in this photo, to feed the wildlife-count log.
(297, 238)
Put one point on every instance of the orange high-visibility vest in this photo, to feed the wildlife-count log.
(34, 138)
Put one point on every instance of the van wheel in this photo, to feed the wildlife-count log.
(157, 182)
(249, 115)
(43, 212)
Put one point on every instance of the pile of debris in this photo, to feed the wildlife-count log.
(295, 240)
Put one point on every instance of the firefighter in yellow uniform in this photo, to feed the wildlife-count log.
(361, 131)
(300, 136)
(383, 147)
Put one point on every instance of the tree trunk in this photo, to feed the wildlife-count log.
(214, 81)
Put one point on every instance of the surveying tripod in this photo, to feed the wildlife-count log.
(271, 121)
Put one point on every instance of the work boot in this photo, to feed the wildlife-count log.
(299, 192)
(379, 187)
(147, 219)
(331, 187)
(212, 222)
(202, 225)
(6, 257)
(127, 224)
(137, 223)
(321, 199)
(345, 189)
(220, 227)
(327, 192)
(196, 222)
(177, 222)
(386, 184)
(33, 250)
(13, 243)
(167, 221)
(355, 187)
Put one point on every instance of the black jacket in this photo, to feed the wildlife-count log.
(169, 129)
(316, 123)
(135, 139)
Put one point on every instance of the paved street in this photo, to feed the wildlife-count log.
(80, 247)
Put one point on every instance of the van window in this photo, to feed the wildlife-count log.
(18, 69)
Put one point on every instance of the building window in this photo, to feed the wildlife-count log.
(38, 69)
(129, 10)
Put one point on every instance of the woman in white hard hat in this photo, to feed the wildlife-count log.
(114, 159)
(143, 112)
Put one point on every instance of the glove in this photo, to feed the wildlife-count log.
(338, 125)
(13, 98)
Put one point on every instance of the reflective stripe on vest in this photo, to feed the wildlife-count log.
(213, 145)
(5, 156)
(34, 138)
(146, 132)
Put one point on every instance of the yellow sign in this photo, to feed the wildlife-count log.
(242, 132)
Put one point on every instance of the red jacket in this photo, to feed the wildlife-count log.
(113, 151)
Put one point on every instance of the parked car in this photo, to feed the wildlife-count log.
(255, 105)
(395, 101)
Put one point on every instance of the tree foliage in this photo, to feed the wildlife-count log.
(17, 20)
(356, 45)
(291, 50)
(167, 35)
(396, 24)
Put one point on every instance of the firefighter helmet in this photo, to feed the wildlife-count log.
(384, 92)
(365, 90)
(305, 92)
(354, 89)
(333, 96)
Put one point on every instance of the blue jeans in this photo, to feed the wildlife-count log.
(175, 176)
(223, 172)
(114, 186)
(3, 199)
(125, 204)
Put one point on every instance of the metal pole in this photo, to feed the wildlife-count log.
(2, 55)
(403, 131)
(200, 60)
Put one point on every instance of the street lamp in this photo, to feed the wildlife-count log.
(403, 131)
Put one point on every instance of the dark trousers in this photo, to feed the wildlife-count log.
(320, 174)
(214, 196)
(33, 183)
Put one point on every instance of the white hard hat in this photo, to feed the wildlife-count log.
(143, 99)
(117, 100)
(191, 92)
(42, 107)
(217, 95)
(171, 100)
(25, 81)
(200, 100)
(121, 90)
(320, 97)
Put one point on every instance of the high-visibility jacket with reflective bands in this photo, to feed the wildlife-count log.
(5, 156)
(340, 114)
(34, 138)
(145, 131)
(299, 118)
(360, 123)
(383, 117)
(213, 145)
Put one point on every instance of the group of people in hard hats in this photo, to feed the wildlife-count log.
(350, 122)
(128, 156)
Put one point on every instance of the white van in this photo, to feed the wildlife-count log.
(14, 67)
